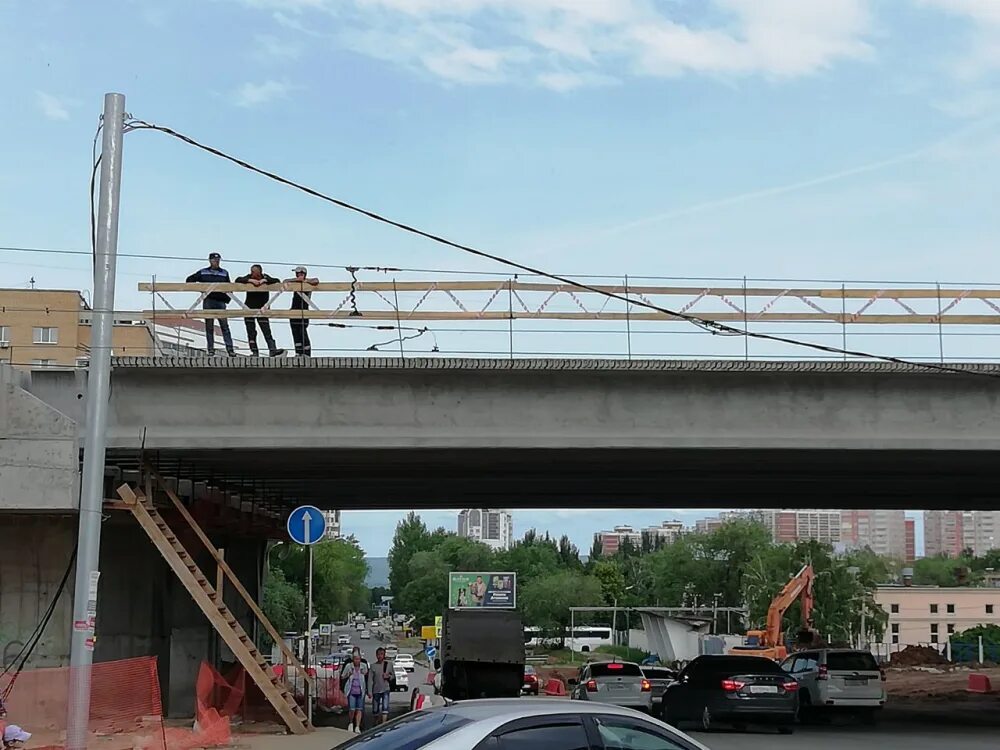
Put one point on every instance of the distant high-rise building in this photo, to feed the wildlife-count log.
(707, 525)
(911, 540)
(492, 527)
(332, 518)
(611, 541)
(800, 525)
(666, 533)
(950, 532)
(881, 531)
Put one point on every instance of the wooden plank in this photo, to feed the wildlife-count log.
(224, 566)
(215, 613)
(492, 285)
(220, 575)
(719, 317)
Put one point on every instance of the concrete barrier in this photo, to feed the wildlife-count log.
(979, 683)
(555, 687)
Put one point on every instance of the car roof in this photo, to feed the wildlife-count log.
(513, 708)
(610, 661)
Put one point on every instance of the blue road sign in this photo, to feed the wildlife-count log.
(306, 525)
(430, 651)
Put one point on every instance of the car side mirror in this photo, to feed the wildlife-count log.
(437, 664)
(572, 681)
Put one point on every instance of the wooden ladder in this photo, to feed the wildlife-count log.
(222, 619)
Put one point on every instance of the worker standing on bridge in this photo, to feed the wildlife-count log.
(214, 273)
(255, 301)
(300, 301)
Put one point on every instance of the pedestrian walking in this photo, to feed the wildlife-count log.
(255, 301)
(214, 273)
(300, 301)
(355, 678)
(382, 675)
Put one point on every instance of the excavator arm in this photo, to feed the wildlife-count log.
(800, 587)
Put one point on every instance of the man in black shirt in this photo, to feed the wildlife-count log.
(255, 301)
(214, 273)
(300, 301)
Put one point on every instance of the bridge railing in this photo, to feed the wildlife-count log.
(520, 316)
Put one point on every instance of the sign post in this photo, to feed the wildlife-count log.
(307, 526)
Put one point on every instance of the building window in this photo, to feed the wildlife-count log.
(45, 335)
(934, 632)
(42, 362)
(894, 609)
(989, 609)
(895, 628)
(951, 628)
(934, 609)
(4, 335)
(950, 608)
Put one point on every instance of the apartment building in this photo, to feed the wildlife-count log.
(51, 328)
(708, 525)
(950, 532)
(881, 531)
(612, 541)
(911, 540)
(929, 614)
(332, 518)
(492, 527)
(666, 533)
(800, 525)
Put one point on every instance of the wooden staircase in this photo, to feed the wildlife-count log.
(222, 619)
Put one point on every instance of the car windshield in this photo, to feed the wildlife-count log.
(410, 732)
(617, 669)
(850, 661)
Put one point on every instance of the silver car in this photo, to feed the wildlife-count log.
(838, 679)
(513, 723)
(620, 683)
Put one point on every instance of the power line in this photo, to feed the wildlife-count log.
(707, 325)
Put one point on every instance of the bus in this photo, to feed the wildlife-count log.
(585, 638)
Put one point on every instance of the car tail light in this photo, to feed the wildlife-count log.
(731, 686)
(824, 672)
(591, 686)
(646, 687)
(791, 686)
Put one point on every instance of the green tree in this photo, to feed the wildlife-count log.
(284, 603)
(943, 571)
(545, 601)
(426, 595)
(612, 579)
(596, 551)
(411, 537)
(530, 558)
(339, 573)
(569, 554)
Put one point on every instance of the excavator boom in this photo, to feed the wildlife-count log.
(769, 641)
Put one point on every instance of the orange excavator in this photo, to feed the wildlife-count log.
(770, 642)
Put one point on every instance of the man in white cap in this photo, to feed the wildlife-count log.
(300, 301)
(14, 737)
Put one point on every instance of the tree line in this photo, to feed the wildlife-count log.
(736, 565)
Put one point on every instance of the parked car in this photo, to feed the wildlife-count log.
(401, 681)
(406, 662)
(739, 690)
(659, 678)
(343, 639)
(530, 685)
(523, 723)
(620, 683)
(834, 679)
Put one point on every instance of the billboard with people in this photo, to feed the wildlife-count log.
(489, 590)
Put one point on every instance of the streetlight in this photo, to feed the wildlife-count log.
(614, 614)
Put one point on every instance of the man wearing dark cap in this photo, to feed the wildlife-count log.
(214, 273)
(255, 301)
(300, 303)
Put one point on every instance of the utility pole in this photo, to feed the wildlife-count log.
(98, 389)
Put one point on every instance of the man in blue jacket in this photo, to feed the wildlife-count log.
(214, 273)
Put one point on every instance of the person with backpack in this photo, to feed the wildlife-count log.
(354, 680)
(382, 676)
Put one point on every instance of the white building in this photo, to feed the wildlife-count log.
(332, 518)
(490, 526)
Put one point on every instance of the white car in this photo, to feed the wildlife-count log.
(344, 640)
(365, 635)
(406, 662)
(391, 652)
(834, 679)
(402, 681)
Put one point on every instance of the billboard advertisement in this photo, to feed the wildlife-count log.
(475, 590)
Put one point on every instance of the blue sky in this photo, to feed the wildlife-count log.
(829, 139)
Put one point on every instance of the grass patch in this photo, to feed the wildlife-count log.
(624, 653)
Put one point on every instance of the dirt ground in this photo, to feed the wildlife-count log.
(935, 682)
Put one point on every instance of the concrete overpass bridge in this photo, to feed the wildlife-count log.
(441, 432)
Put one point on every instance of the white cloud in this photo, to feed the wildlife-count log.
(566, 44)
(52, 107)
(255, 94)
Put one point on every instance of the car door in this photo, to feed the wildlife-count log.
(623, 733)
(805, 670)
(677, 700)
(579, 691)
(555, 732)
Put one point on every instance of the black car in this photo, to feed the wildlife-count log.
(739, 690)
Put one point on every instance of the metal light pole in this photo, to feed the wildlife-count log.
(309, 632)
(98, 389)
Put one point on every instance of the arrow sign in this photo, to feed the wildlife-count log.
(306, 525)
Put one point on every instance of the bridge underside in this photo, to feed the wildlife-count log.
(590, 478)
